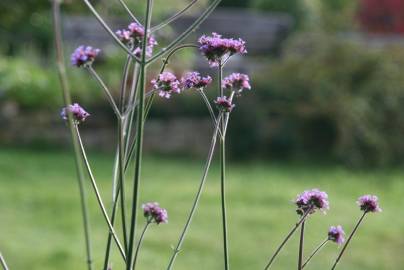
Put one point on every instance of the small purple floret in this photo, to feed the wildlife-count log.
(237, 82)
(83, 56)
(369, 203)
(154, 213)
(78, 113)
(311, 200)
(224, 104)
(166, 83)
(215, 47)
(133, 37)
(336, 234)
(195, 80)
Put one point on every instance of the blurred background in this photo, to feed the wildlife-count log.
(326, 110)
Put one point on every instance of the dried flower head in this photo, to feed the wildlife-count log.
(133, 37)
(224, 104)
(237, 82)
(215, 47)
(195, 80)
(312, 200)
(166, 84)
(369, 203)
(84, 56)
(336, 234)
(154, 213)
(78, 113)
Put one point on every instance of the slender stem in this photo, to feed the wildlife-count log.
(121, 162)
(124, 83)
(319, 247)
(302, 219)
(139, 136)
(3, 262)
(67, 101)
(139, 244)
(173, 17)
(109, 31)
(97, 194)
(223, 174)
(128, 10)
(185, 34)
(106, 91)
(210, 109)
(349, 240)
(301, 245)
(197, 197)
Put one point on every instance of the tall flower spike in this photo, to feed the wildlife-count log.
(133, 37)
(312, 200)
(84, 56)
(154, 213)
(166, 84)
(78, 113)
(224, 104)
(237, 82)
(336, 234)
(214, 47)
(195, 80)
(369, 203)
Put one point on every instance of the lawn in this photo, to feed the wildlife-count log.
(41, 227)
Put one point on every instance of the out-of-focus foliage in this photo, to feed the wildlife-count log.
(382, 16)
(295, 8)
(336, 15)
(331, 97)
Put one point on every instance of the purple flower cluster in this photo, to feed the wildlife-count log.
(215, 47)
(83, 56)
(133, 37)
(78, 113)
(236, 82)
(154, 213)
(369, 203)
(336, 234)
(166, 83)
(195, 80)
(310, 200)
(224, 104)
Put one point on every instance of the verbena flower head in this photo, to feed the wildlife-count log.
(336, 234)
(84, 56)
(237, 82)
(154, 213)
(166, 84)
(78, 113)
(369, 203)
(215, 47)
(133, 37)
(312, 200)
(195, 80)
(224, 104)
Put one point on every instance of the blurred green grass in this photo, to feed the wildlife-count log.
(41, 228)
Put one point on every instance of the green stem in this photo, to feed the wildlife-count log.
(223, 175)
(67, 101)
(302, 219)
(210, 109)
(122, 179)
(185, 34)
(349, 240)
(97, 194)
(3, 262)
(139, 244)
(128, 10)
(106, 91)
(139, 136)
(173, 18)
(197, 197)
(301, 245)
(315, 252)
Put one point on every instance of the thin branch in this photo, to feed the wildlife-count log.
(210, 109)
(139, 244)
(315, 252)
(173, 17)
(67, 101)
(128, 10)
(301, 245)
(97, 194)
(3, 262)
